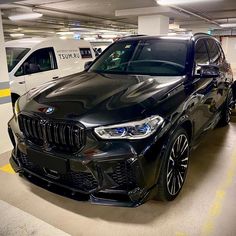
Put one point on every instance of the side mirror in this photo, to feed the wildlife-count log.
(207, 71)
(87, 65)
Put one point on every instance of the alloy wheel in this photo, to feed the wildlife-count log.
(177, 164)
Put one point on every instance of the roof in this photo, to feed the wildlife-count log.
(25, 43)
(32, 42)
(142, 37)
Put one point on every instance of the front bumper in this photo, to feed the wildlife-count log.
(107, 174)
(105, 190)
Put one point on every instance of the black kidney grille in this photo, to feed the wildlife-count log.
(60, 136)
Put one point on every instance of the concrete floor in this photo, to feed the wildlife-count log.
(206, 205)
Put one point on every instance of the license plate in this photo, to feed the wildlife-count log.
(48, 161)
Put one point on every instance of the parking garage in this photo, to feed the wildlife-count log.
(118, 118)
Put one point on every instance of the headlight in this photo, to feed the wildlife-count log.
(131, 130)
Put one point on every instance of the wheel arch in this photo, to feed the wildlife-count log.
(14, 97)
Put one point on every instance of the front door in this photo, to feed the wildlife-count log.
(39, 67)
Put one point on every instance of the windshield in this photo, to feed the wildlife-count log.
(14, 55)
(162, 57)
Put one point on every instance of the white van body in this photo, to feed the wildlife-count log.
(34, 61)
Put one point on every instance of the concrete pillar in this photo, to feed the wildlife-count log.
(153, 24)
(5, 96)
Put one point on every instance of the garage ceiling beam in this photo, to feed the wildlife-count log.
(75, 14)
(159, 10)
(9, 1)
(195, 14)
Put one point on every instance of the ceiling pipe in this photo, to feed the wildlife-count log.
(194, 14)
(42, 8)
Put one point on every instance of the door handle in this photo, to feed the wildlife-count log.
(55, 77)
(22, 82)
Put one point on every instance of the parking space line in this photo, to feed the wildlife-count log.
(7, 168)
(5, 92)
(217, 204)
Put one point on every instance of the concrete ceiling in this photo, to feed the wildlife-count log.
(59, 15)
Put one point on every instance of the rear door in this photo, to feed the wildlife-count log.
(204, 95)
(39, 67)
(217, 58)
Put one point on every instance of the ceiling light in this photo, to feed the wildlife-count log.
(63, 37)
(65, 33)
(173, 26)
(26, 16)
(90, 38)
(16, 35)
(108, 36)
(176, 2)
(228, 25)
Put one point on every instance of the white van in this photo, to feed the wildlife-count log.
(34, 61)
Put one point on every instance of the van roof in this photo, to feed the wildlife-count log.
(32, 42)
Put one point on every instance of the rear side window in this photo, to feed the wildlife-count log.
(214, 52)
(201, 54)
(39, 61)
(85, 52)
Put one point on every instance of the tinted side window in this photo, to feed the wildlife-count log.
(39, 61)
(201, 54)
(214, 51)
(85, 52)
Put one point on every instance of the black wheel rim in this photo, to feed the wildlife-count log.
(177, 164)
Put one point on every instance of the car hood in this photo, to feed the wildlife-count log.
(98, 99)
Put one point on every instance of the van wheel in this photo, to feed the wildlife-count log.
(174, 166)
(14, 97)
(227, 109)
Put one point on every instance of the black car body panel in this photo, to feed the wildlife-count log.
(113, 172)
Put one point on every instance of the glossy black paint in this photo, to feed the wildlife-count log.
(91, 99)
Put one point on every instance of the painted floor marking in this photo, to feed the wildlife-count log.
(217, 204)
(7, 168)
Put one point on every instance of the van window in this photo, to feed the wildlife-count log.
(201, 54)
(14, 56)
(39, 61)
(214, 51)
(85, 53)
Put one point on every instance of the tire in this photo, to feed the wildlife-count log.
(174, 167)
(227, 109)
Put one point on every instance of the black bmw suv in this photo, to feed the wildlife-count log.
(121, 132)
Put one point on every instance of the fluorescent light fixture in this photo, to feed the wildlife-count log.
(63, 37)
(16, 35)
(173, 26)
(228, 25)
(108, 36)
(176, 2)
(26, 16)
(65, 33)
(90, 38)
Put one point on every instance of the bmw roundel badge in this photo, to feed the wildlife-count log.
(49, 110)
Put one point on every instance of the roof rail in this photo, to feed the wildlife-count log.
(201, 34)
(133, 35)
